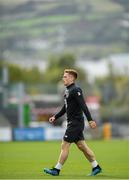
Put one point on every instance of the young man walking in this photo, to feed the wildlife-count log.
(74, 107)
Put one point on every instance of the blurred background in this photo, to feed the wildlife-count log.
(38, 40)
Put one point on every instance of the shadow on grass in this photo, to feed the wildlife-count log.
(101, 176)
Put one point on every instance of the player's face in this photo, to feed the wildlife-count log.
(67, 79)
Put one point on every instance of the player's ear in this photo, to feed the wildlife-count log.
(72, 77)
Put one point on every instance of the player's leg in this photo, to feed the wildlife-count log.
(64, 152)
(89, 154)
(62, 158)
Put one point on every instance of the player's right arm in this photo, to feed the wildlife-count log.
(59, 114)
(80, 99)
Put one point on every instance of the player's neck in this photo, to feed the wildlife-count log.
(69, 85)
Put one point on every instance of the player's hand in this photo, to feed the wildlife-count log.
(51, 119)
(92, 124)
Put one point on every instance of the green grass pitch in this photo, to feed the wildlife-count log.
(26, 160)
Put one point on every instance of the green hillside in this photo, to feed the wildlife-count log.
(91, 28)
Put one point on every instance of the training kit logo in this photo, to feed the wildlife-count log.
(78, 93)
(66, 93)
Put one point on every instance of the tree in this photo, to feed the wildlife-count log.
(32, 76)
(15, 73)
(56, 66)
(114, 91)
(18, 74)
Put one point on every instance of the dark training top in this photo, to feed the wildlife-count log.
(74, 106)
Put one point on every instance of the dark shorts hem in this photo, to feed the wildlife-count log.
(73, 135)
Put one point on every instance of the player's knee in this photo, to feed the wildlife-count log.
(64, 146)
(81, 147)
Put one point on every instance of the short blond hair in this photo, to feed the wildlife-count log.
(73, 72)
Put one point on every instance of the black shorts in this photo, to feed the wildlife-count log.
(74, 134)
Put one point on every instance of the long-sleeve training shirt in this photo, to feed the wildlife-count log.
(74, 105)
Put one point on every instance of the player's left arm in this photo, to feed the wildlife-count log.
(80, 99)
